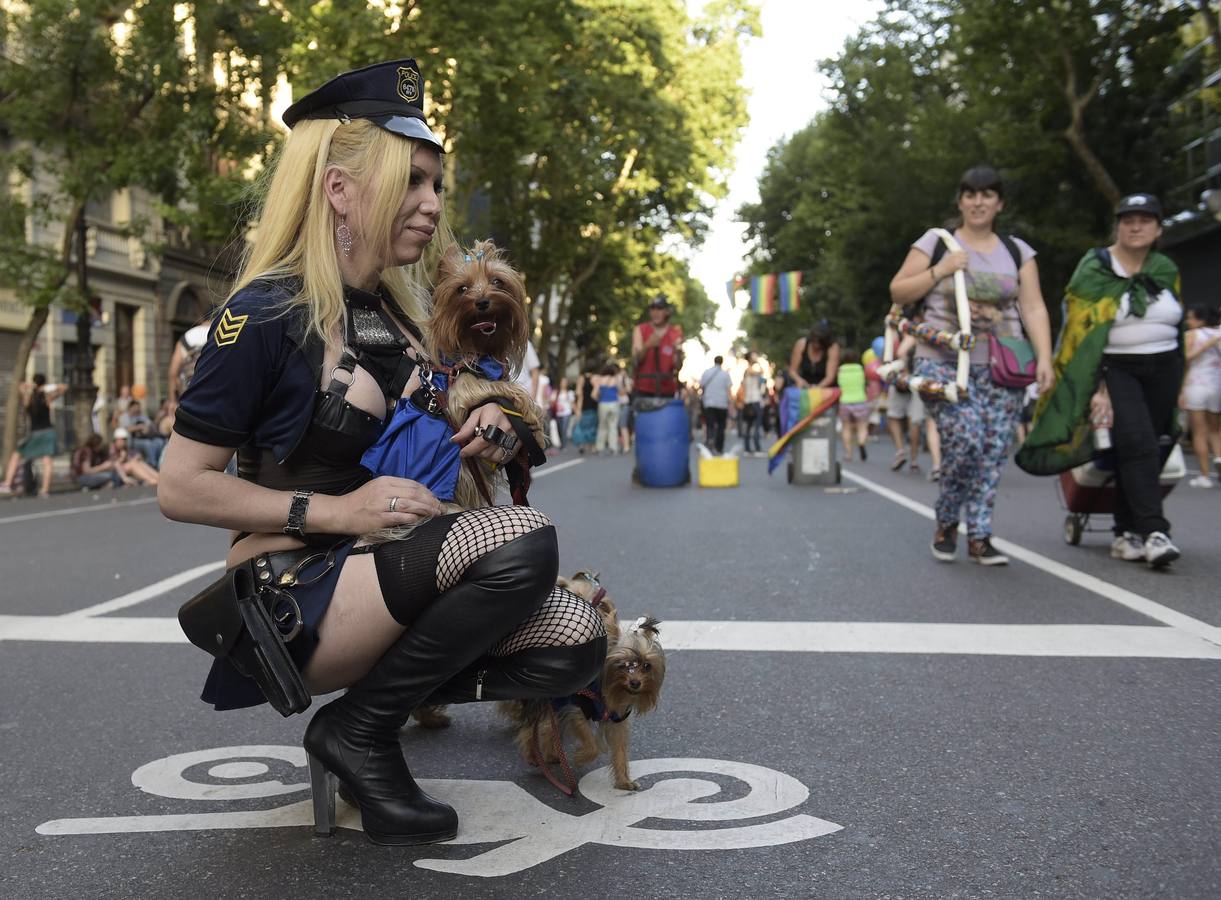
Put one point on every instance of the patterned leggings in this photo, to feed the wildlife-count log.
(975, 437)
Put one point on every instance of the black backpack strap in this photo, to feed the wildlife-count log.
(938, 252)
(1007, 240)
(1012, 247)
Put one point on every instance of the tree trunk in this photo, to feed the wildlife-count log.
(12, 403)
(1214, 30)
(1075, 132)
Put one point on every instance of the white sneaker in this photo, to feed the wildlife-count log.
(1201, 481)
(1159, 552)
(1129, 547)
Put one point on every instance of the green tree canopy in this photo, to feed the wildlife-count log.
(1070, 99)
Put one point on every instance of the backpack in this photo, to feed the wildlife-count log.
(1007, 240)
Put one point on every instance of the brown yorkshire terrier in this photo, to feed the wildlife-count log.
(630, 683)
(479, 311)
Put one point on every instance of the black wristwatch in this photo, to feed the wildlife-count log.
(296, 514)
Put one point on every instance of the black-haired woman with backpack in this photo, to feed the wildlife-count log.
(1002, 282)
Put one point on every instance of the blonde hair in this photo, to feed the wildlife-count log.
(296, 223)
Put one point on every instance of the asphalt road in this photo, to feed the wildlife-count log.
(843, 716)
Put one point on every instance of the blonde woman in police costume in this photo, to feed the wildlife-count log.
(314, 347)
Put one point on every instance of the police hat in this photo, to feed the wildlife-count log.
(1139, 203)
(388, 94)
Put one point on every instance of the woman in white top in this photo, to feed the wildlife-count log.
(1202, 389)
(1142, 368)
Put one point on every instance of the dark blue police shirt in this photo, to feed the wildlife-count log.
(253, 382)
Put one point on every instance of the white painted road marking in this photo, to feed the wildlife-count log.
(556, 468)
(493, 812)
(71, 511)
(1112, 592)
(156, 589)
(1146, 641)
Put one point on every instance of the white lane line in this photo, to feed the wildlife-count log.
(1146, 641)
(146, 593)
(71, 511)
(939, 638)
(1112, 592)
(559, 468)
(168, 584)
(80, 630)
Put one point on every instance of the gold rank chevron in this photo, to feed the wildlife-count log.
(228, 328)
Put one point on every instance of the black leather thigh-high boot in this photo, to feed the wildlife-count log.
(355, 738)
(536, 673)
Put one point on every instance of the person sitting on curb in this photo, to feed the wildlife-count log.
(93, 468)
(129, 464)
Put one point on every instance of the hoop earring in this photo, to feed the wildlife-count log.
(343, 236)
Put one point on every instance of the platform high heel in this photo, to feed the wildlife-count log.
(354, 739)
(322, 787)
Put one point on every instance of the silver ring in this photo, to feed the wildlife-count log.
(478, 432)
(393, 503)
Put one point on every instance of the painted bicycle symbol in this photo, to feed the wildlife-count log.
(492, 811)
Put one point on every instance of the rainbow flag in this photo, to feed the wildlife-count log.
(762, 294)
(798, 408)
(790, 285)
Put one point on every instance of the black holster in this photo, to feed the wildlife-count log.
(235, 618)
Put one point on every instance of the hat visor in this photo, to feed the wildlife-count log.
(408, 127)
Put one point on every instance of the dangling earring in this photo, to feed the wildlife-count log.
(343, 236)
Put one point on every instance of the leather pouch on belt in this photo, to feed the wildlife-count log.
(229, 619)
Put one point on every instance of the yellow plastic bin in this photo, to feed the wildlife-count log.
(719, 471)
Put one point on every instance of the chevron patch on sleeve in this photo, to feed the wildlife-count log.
(228, 328)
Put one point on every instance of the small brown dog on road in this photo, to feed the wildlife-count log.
(631, 682)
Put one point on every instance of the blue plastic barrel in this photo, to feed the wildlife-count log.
(662, 446)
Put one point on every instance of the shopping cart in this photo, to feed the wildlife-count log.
(1089, 490)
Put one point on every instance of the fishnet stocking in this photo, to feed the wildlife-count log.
(564, 620)
(480, 531)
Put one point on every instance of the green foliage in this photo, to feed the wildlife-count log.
(110, 98)
(582, 132)
(932, 87)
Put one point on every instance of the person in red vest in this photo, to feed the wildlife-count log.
(657, 352)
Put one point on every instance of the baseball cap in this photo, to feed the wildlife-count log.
(659, 302)
(1141, 203)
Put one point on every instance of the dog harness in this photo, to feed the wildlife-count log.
(592, 705)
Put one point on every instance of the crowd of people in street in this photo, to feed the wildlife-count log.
(1158, 358)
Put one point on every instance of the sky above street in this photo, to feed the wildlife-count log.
(786, 91)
